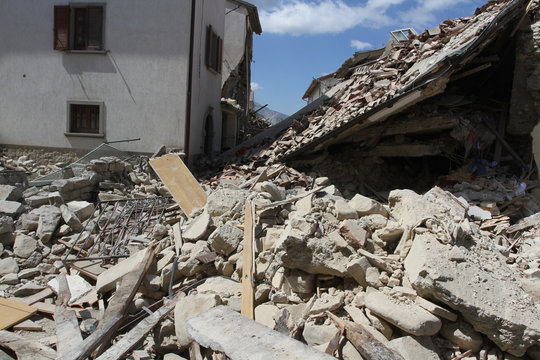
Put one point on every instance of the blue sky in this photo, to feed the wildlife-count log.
(305, 39)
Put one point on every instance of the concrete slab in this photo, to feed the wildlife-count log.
(241, 338)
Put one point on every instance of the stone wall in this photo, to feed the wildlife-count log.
(525, 102)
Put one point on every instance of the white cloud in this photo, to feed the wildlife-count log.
(312, 17)
(384, 4)
(360, 45)
(424, 13)
(255, 86)
(299, 17)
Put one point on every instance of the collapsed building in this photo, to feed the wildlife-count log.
(130, 257)
(404, 115)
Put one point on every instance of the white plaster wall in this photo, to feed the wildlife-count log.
(142, 80)
(206, 83)
(234, 41)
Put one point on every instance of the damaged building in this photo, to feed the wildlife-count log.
(77, 74)
(427, 104)
(412, 233)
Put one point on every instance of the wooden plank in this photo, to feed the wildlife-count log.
(409, 126)
(93, 341)
(28, 325)
(90, 268)
(524, 223)
(369, 347)
(248, 263)
(48, 309)
(24, 348)
(29, 300)
(120, 349)
(183, 186)
(68, 333)
(13, 312)
(115, 312)
(128, 287)
(195, 351)
(177, 235)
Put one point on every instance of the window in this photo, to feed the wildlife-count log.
(78, 27)
(214, 46)
(85, 117)
(403, 34)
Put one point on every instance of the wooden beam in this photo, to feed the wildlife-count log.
(120, 349)
(27, 325)
(180, 181)
(470, 72)
(505, 144)
(68, 333)
(369, 347)
(248, 306)
(47, 308)
(195, 351)
(417, 125)
(128, 287)
(24, 348)
(177, 235)
(116, 310)
(32, 299)
(375, 116)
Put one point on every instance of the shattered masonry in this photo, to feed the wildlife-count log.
(124, 260)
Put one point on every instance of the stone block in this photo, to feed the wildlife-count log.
(474, 286)
(403, 313)
(188, 307)
(225, 239)
(24, 246)
(355, 234)
(344, 210)
(71, 219)
(222, 328)
(414, 348)
(198, 228)
(366, 206)
(49, 219)
(10, 193)
(82, 209)
(10, 208)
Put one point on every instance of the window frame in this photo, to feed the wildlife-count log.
(101, 122)
(71, 29)
(402, 35)
(214, 47)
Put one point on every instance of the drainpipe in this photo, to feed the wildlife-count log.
(247, 59)
(190, 80)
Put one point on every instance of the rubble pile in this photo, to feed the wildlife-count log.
(35, 161)
(407, 73)
(420, 274)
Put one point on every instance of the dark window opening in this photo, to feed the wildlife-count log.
(208, 135)
(84, 118)
(214, 48)
(78, 28)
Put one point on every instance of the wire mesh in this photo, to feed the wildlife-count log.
(119, 222)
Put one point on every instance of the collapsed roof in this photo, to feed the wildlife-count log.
(409, 73)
